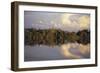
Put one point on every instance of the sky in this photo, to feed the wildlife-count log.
(71, 22)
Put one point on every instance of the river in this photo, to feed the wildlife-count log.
(65, 51)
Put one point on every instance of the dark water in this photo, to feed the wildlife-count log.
(65, 51)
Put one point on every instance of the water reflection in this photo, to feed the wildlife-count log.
(75, 50)
(65, 51)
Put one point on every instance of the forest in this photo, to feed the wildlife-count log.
(55, 37)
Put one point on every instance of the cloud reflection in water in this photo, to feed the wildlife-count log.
(75, 50)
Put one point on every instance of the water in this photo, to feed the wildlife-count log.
(65, 51)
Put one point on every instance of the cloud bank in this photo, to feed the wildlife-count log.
(71, 22)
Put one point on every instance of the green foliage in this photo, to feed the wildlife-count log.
(72, 37)
(55, 37)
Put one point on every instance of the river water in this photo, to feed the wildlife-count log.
(65, 51)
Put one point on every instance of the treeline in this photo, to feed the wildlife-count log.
(55, 37)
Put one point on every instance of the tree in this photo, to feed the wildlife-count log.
(84, 36)
(72, 37)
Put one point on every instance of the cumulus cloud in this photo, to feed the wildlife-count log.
(71, 22)
(75, 22)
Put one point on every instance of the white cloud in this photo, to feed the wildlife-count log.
(75, 22)
(71, 22)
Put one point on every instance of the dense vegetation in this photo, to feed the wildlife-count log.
(55, 37)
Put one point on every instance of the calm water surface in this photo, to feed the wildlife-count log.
(65, 51)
